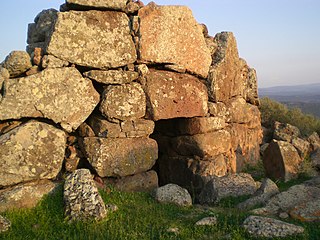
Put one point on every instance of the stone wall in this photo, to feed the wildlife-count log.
(125, 89)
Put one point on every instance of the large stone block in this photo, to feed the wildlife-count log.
(100, 4)
(26, 195)
(226, 79)
(17, 63)
(61, 95)
(281, 160)
(170, 34)
(122, 156)
(206, 145)
(142, 182)
(174, 95)
(246, 144)
(112, 76)
(98, 39)
(31, 151)
(123, 102)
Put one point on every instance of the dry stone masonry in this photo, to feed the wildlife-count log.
(131, 92)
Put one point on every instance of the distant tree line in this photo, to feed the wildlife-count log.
(272, 111)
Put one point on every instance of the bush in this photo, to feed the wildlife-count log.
(272, 111)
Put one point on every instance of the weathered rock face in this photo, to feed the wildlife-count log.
(314, 140)
(270, 228)
(203, 145)
(285, 132)
(49, 61)
(170, 34)
(230, 185)
(24, 153)
(17, 63)
(225, 79)
(101, 4)
(169, 93)
(281, 160)
(61, 95)
(267, 190)
(172, 193)
(26, 195)
(112, 76)
(94, 33)
(315, 158)
(123, 102)
(300, 201)
(302, 146)
(81, 197)
(40, 29)
(142, 182)
(122, 156)
(252, 87)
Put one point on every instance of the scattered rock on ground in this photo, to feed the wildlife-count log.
(172, 193)
(81, 197)
(232, 185)
(271, 228)
(285, 132)
(5, 224)
(307, 212)
(267, 189)
(207, 221)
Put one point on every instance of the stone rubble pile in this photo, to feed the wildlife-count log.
(131, 92)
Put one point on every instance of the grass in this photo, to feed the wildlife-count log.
(138, 217)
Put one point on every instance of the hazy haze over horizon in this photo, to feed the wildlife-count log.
(280, 39)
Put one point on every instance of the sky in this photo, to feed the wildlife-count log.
(279, 38)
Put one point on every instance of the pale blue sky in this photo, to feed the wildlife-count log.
(280, 38)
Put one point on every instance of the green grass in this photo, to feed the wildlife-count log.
(138, 217)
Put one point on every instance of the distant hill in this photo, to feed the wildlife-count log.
(306, 97)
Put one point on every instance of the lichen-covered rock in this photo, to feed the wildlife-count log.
(26, 195)
(225, 79)
(281, 160)
(123, 102)
(198, 125)
(246, 144)
(112, 76)
(49, 61)
(39, 30)
(4, 74)
(267, 190)
(307, 211)
(24, 153)
(61, 95)
(285, 132)
(303, 147)
(120, 157)
(170, 34)
(81, 197)
(251, 93)
(169, 94)
(141, 182)
(270, 228)
(172, 193)
(293, 197)
(131, 128)
(203, 145)
(314, 140)
(207, 221)
(100, 4)
(17, 63)
(230, 185)
(97, 39)
(5, 224)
